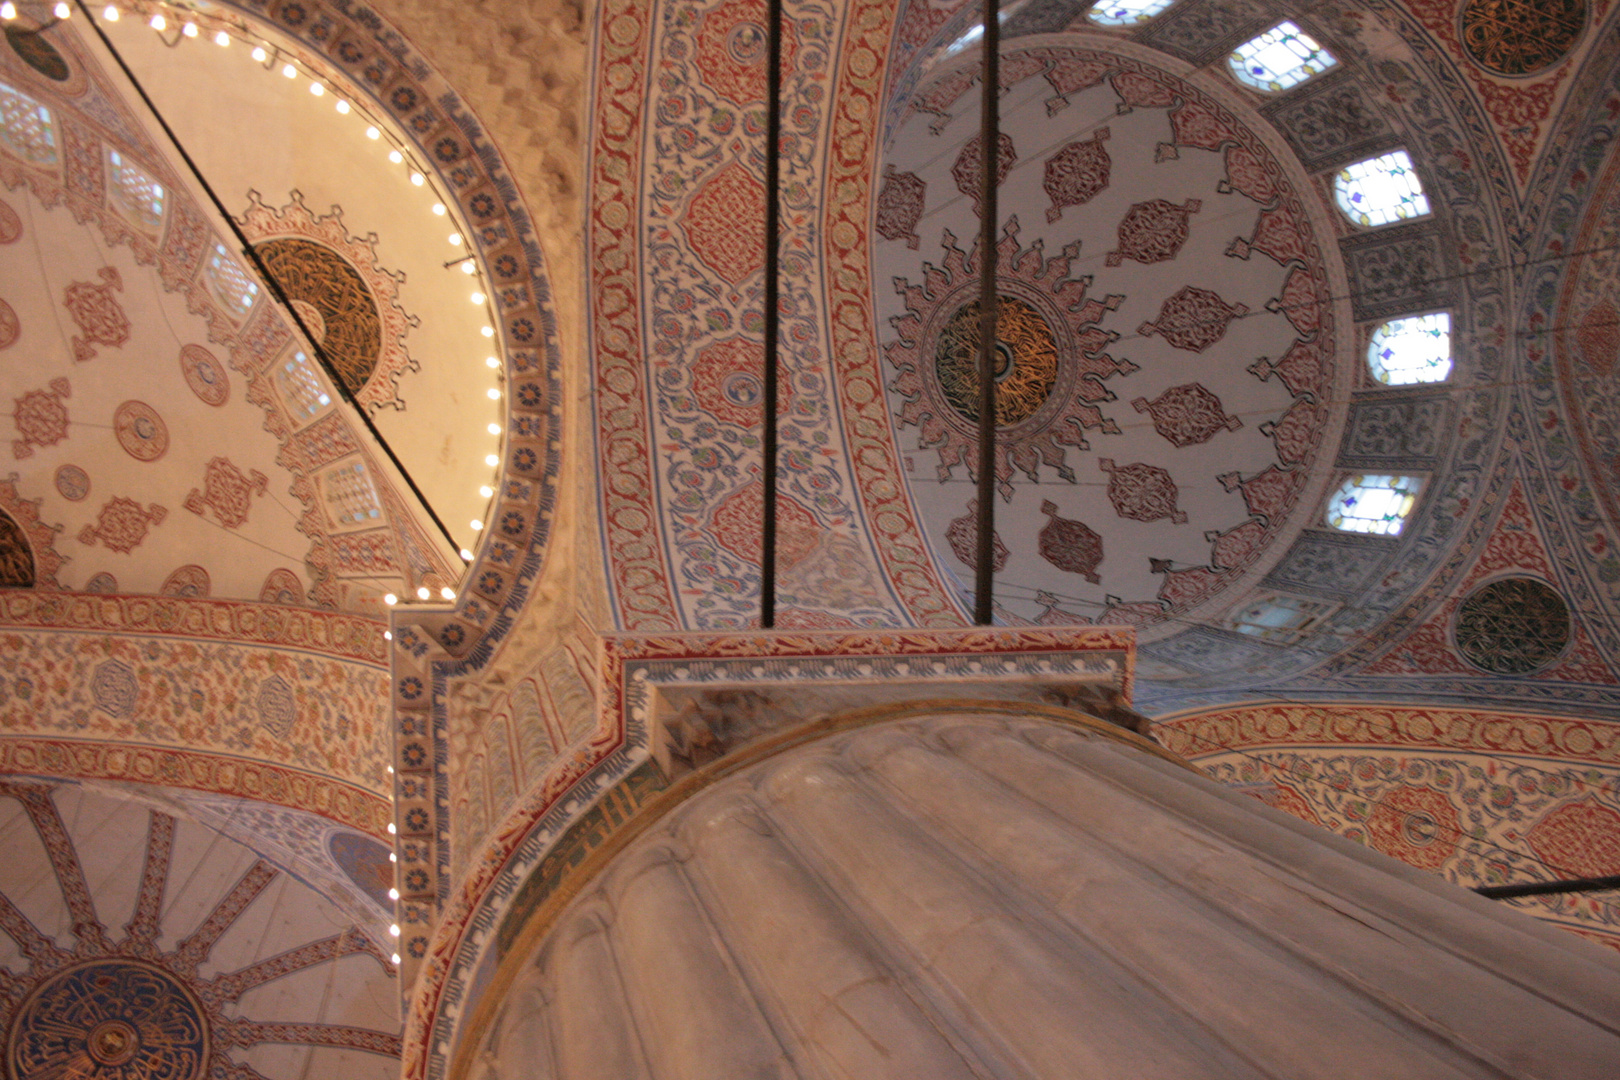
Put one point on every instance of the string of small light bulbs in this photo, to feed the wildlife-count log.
(186, 23)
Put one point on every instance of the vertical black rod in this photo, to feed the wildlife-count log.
(989, 151)
(773, 183)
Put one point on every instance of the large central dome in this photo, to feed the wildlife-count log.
(1166, 346)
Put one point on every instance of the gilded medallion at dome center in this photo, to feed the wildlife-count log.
(1026, 361)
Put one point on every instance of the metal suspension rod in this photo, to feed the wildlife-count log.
(269, 280)
(1544, 888)
(773, 183)
(989, 147)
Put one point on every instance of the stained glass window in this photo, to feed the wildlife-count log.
(1380, 190)
(350, 496)
(235, 288)
(1416, 349)
(26, 127)
(1282, 619)
(139, 195)
(1282, 57)
(1374, 504)
(1127, 12)
(300, 388)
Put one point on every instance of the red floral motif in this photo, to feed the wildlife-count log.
(729, 51)
(1193, 319)
(963, 536)
(100, 319)
(1267, 495)
(1153, 231)
(1417, 825)
(1069, 75)
(968, 174)
(900, 206)
(1076, 173)
(726, 382)
(1193, 123)
(227, 492)
(189, 581)
(1247, 176)
(10, 326)
(736, 524)
(1599, 337)
(1141, 492)
(1303, 369)
(1279, 235)
(724, 222)
(281, 586)
(141, 431)
(1579, 839)
(10, 224)
(1231, 548)
(1187, 415)
(122, 524)
(1141, 91)
(1297, 432)
(1298, 303)
(1070, 545)
(41, 418)
(1284, 798)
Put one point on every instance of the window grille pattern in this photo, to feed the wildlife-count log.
(1416, 349)
(300, 388)
(139, 195)
(1380, 190)
(1374, 504)
(1278, 59)
(1127, 12)
(235, 289)
(1280, 619)
(26, 127)
(350, 497)
(1513, 626)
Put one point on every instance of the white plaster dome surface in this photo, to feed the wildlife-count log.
(1177, 263)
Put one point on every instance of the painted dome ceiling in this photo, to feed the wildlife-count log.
(1168, 336)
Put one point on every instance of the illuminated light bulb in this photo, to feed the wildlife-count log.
(487, 331)
(390, 599)
(494, 394)
(222, 39)
(494, 429)
(159, 23)
(395, 156)
(438, 208)
(317, 89)
(390, 770)
(477, 525)
(392, 857)
(388, 635)
(486, 491)
(343, 107)
(391, 829)
(422, 593)
(373, 133)
(418, 179)
(8, 11)
(492, 361)
(259, 55)
(394, 959)
(455, 239)
(492, 460)
(478, 298)
(62, 11)
(110, 13)
(468, 268)
(289, 71)
(466, 556)
(189, 29)
(393, 929)
(448, 593)
(393, 894)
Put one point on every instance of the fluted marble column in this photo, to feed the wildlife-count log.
(970, 895)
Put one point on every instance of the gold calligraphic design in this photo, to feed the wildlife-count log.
(1026, 360)
(350, 329)
(1520, 37)
(113, 1019)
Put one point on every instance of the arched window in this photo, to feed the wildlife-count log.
(1280, 619)
(1416, 349)
(1282, 57)
(231, 283)
(139, 194)
(300, 388)
(26, 127)
(1126, 12)
(350, 497)
(1380, 190)
(1374, 504)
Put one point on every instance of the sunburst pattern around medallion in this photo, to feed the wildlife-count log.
(1042, 406)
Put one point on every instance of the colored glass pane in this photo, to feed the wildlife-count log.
(139, 195)
(1374, 504)
(1380, 190)
(1411, 350)
(26, 127)
(1127, 12)
(235, 289)
(1282, 57)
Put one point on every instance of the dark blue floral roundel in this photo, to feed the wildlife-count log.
(110, 1020)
